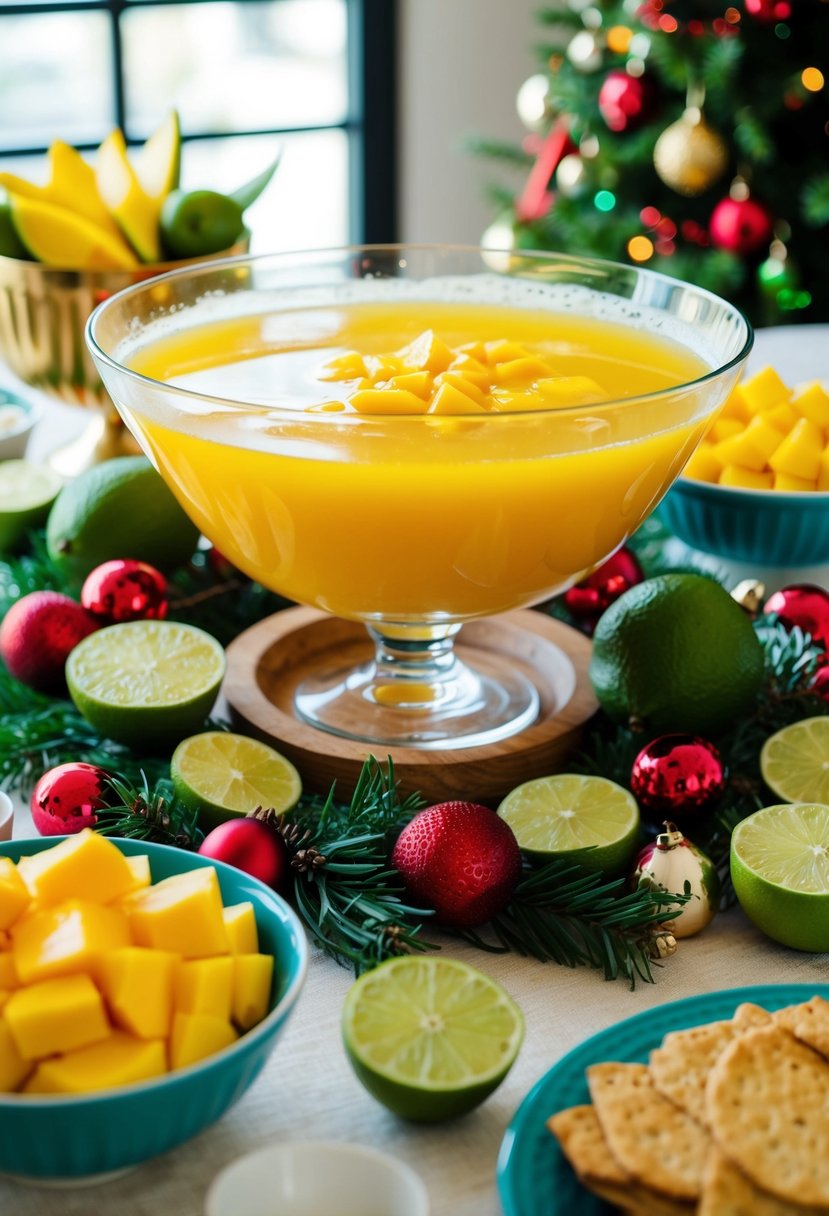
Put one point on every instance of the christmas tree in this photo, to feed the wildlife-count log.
(689, 136)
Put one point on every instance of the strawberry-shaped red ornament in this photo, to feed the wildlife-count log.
(460, 859)
(37, 635)
(66, 798)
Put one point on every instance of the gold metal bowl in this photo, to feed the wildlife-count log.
(43, 313)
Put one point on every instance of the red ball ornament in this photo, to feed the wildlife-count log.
(625, 101)
(37, 635)
(677, 775)
(803, 605)
(125, 590)
(613, 578)
(460, 859)
(250, 845)
(66, 799)
(767, 11)
(741, 225)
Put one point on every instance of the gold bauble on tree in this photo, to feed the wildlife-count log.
(690, 156)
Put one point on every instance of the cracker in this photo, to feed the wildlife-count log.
(659, 1144)
(726, 1191)
(766, 1104)
(747, 1015)
(637, 1200)
(811, 1025)
(681, 1065)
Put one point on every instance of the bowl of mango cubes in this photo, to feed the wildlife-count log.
(142, 989)
(756, 490)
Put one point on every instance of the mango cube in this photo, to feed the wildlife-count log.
(570, 390)
(781, 416)
(752, 447)
(387, 401)
(464, 384)
(419, 383)
(86, 862)
(252, 981)
(14, 894)
(182, 914)
(426, 353)
(55, 1016)
(66, 939)
(502, 350)
(196, 1035)
(799, 453)
(13, 1068)
(725, 427)
(205, 985)
(789, 484)
(450, 400)
(823, 474)
(118, 1060)
(349, 366)
(812, 402)
(745, 479)
(764, 389)
(140, 869)
(525, 370)
(704, 465)
(735, 405)
(240, 923)
(8, 972)
(137, 985)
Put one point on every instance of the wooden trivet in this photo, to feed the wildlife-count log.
(267, 661)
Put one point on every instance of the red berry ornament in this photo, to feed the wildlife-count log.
(803, 605)
(677, 774)
(66, 799)
(625, 101)
(613, 578)
(37, 635)
(250, 845)
(460, 859)
(741, 225)
(125, 590)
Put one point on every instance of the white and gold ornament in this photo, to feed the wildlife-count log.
(585, 51)
(673, 864)
(533, 102)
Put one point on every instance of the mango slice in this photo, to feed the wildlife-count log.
(13, 1067)
(66, 939)
(71, 185)
(14, 894)
(56, 1015)
(240, 923)
(197, 1035)
(134, 211)
(67, 241)
(85, 862)
(117, 1060)
(205, 985)
(252, 980)
(158, 163)
(183, 914)
(137, 985)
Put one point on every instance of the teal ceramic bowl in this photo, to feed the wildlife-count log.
(70, 1138)
(761, 527)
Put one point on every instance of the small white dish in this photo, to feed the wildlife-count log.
(18, 418)
(317, 1178)
(6, 816)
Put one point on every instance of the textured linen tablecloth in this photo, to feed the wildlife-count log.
(307, 1090)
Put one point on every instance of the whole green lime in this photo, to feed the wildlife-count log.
(120, 508)
(676, 653)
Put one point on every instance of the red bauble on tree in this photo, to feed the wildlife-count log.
(677, 775)
(626, 101)
(37, 635)
(589, 598)
(68, 797)
(251, 845)
(741, 225)
(767, 11)
(460, 859)
(803, 605)
(125, 590)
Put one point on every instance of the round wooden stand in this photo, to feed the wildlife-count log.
(266, 662)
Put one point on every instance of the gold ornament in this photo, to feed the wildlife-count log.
(690, 156)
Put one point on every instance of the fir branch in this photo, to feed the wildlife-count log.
(815, 200)
(147, 811)
(30, 570)
(752, 137)
(500, 150)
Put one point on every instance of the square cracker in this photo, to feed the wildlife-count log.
(657, 1143)
(726, 1191)
(766, 1104)
(811, 1024)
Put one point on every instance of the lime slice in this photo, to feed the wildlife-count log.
(562, 815)
(27, 491)
(146, 683)
(780, 870)
(430, 1037)
(220, 775)
(795, 761)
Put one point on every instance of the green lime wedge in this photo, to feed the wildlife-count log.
(430, 1037)
(780, 871)
(587, 819)
(27, 491)
(795, 761)
(146, 683)
(221, 775)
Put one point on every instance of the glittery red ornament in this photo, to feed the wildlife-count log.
(37, 635)
(804, 605)
(125, 590)
(740, 225)
(625, 101)
(460, 859)
(677, 775)
(66, 799)
(594, 594)
(252, 846)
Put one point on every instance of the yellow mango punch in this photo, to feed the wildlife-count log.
(107, 979)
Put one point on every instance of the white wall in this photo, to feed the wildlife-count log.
(461, 65)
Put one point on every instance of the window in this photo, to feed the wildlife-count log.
(312, 79)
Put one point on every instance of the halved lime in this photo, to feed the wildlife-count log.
(795, 761)
(430, 1037)
(27, 491)
(146, 683)
(780, 870)
(221, 775)
(588, 819)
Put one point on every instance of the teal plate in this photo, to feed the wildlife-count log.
(533, 1175)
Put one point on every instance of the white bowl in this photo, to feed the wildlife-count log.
(311, 1177)
(18, 418)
